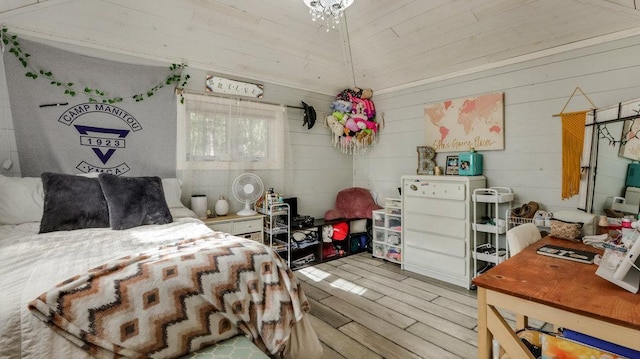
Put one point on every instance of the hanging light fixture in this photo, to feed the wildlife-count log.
(329, 11)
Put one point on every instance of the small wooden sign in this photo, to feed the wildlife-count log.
(232, 87)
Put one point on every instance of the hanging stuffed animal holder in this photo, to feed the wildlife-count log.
(353, 122)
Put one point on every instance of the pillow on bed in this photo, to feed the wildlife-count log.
(134, 201)
(172, 193)
(21, 199)
(72, 202)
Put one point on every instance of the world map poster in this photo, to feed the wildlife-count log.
(466, 123)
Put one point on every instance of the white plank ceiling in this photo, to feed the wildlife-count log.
(382, 44)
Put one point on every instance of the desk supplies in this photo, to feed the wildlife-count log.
(567, 253)
(619, 265)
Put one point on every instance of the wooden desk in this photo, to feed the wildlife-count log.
(561, 292)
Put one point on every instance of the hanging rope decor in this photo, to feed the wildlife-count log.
(353, 122)
(572, 143)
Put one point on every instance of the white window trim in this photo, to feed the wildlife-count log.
(277, 146)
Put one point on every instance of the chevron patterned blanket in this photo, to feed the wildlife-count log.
(177, 299)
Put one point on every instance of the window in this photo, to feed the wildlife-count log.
(224, 133)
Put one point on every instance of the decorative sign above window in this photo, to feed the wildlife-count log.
(233, 87)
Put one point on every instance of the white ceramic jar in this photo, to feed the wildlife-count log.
(222, 206)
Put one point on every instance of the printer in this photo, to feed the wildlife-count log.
(630, 203)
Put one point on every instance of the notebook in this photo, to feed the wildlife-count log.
(567, 253)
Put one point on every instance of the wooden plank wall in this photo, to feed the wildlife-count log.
(535, 90)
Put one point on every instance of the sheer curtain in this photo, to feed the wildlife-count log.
(221, 138)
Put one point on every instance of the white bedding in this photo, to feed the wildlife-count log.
(31, 263)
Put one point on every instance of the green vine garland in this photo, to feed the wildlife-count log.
(95, 95)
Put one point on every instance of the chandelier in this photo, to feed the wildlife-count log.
(329, 11)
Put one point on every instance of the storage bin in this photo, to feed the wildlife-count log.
(470, 163)
(394, 253)
(395, 223)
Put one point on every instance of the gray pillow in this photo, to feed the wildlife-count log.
(134, 201)
(72, 202)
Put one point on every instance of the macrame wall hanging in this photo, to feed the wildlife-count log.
(572, 143)
(353, 121)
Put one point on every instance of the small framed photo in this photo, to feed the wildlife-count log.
(452, 165)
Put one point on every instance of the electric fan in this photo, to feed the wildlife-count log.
(247, 188)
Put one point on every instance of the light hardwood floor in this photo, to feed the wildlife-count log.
(363, 307)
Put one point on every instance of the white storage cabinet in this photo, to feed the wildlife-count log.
(387, 231)
(437, 214)
(490, 202)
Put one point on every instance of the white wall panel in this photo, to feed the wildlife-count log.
(531, 162)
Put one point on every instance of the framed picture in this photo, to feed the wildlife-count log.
(452, 165)
(629, 142)
(477, 120)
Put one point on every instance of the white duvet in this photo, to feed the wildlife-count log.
(32, 263)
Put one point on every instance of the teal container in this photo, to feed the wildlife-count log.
(470, 163)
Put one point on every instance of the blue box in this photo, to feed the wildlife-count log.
(470, 164)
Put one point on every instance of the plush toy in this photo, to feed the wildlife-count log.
(359, 116)
(362, 124)
(357, 92)
(351, 124)
(338, 115)
(358, 107)
(336, 127)
(366, 93)
(346, 94)
(365, 138)
(342, 105)
(369, 108)
(372, 125)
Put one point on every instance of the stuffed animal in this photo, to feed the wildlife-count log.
(336, 127)
(351, 124)
(365, 137)
(342, 106)
(358, 107)
(366, 94)
(372, 125)
(346, 94)
(369, 108)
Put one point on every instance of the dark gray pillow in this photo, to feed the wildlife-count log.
(134, 201)
(72, 202)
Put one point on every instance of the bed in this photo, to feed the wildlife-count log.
(155, 286)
